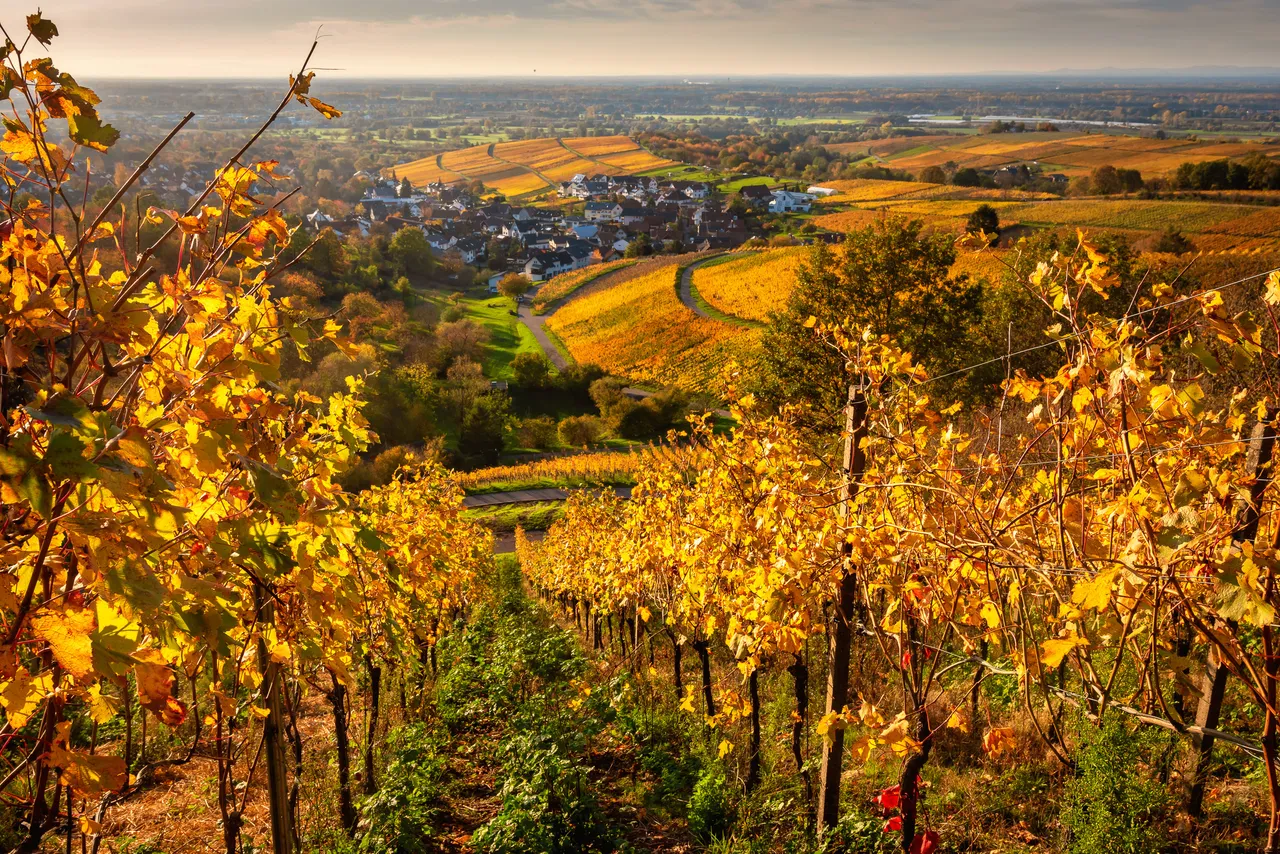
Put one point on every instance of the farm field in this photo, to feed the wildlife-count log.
(637, 327)
(527, 167)
(1222, 223)
(755, 286)
(1069, 153)
(750, 287)
(568, 283)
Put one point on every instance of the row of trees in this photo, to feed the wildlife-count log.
(1103, 534)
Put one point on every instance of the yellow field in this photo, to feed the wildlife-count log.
(631, 162)
(563, 285)
(638, 328)
(866, 190)
(755, 285)
(751, 287)
(532, 166)
(573, 471)
(424, 171)
(1130, 214)
(598, 146)
(1073, 154)
(851, 220)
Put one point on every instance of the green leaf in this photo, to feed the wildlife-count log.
(1197, 349)
(1238, 603)
(137, 584)
(88, 129)
(272, 490)
(112, 650)
(43, 29)
(66, 458)
(35, 489)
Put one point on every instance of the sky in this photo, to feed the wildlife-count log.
(704, 39)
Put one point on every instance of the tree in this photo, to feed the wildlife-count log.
(640, 247)
(483, 427)
(890, 277)
(579, 431)
(984, 219)
(1105, 181)
(461, 339)
(327, 258)
(513, 286)
(410, 252)
(1172, 241)
(967, 177)
(531, 370)
(933, 175)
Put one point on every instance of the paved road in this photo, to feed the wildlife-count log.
(686, 286)
(536, 322)
(526, 496)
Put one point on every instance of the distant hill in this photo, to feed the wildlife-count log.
(535, 166)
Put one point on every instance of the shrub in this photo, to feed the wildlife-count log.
(537, 433)
(1110, 805)
(547, 804)
(400, 815)
(530, 370)
(581, 430)
(710, 810)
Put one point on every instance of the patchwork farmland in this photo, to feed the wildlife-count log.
(532, 167)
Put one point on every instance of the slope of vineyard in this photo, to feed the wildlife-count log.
(1071, 153)
(750, 287)
(638, 328)
(568, 283)
(757, 285)
(530, 166)
(736, 547)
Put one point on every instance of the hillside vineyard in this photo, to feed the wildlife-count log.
(802, 464)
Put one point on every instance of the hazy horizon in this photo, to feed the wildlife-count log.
(709, 40)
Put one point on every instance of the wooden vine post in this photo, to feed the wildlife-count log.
(840, 624)
(273, 733)
(1213, 684)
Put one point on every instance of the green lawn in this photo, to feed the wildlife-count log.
(730, 187)
(683, 173)
(534, 516)
(822, 120)
(507, 335)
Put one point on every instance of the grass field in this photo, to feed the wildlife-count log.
(507, 335)
(639, 329)
(534, 516)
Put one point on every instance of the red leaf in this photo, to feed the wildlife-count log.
(892, 824)
(890, 797)
(925, 843)
(906, 660)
